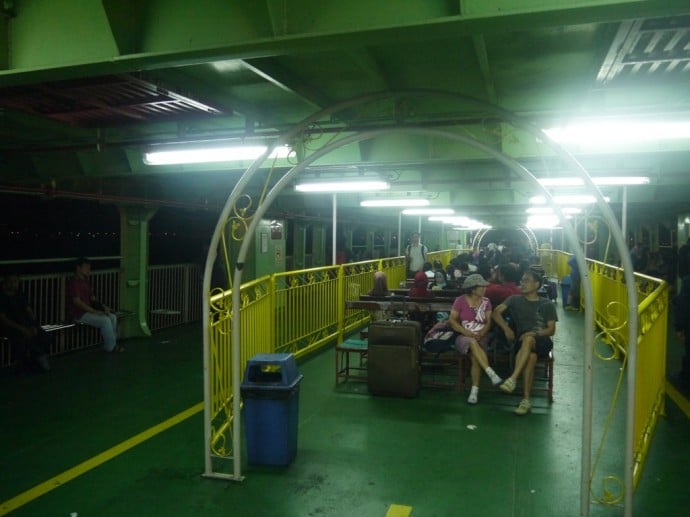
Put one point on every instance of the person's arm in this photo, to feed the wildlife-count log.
(502, 323)
(487, 326)
(456, 325)
(78, 302)
(547, 331)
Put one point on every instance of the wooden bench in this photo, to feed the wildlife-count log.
(443, 369)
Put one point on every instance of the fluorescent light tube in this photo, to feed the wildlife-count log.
(605, 132)
(342, 186)
(395, 202)
(602, 181)
(542, 210)
(212, 154)
(428, 211)
(566, 200)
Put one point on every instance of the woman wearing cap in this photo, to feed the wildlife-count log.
(471, 317)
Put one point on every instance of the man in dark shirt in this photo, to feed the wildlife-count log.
(17, 322)
(535, 322)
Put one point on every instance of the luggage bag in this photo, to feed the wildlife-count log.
(393, 358)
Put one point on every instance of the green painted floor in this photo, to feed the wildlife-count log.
(357, 454)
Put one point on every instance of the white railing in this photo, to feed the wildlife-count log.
(174, 298)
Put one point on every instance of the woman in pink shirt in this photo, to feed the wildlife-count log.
(471, 317)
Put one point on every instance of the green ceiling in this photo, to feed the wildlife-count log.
(86, 87)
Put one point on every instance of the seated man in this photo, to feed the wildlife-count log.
(17, 322)
(505, 284)
(83, 307)
(535, 322)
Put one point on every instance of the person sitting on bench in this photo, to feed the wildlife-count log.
(535, 322)
(83, 306)
(470, 316)
(28, 340)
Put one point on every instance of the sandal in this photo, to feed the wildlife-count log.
(508, 385)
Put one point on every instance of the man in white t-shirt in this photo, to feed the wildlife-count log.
(415, 253)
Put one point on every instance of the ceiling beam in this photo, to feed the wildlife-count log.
(175, 50)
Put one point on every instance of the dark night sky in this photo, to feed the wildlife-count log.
(37, 228)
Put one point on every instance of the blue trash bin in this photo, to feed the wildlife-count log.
(270, 391)
(565, 289)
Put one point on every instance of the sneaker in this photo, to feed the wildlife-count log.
(495, 379)
(508, 385)
(472, 399)
(524, 407)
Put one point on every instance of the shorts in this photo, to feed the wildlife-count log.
(542, 346)
(462, 343)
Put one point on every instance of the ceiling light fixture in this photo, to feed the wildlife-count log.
(394, 202)
(566, 200)
(465, 223)
(212, 154)
(606, 132)
(601, 181)
(342, 186)
(547, 210)
(542, 221)
(428, 211)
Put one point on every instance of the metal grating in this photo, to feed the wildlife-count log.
(103, 101)
(651, 48)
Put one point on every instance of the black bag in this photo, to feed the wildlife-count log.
(441, 338)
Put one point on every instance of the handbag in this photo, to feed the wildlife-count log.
(440, 338)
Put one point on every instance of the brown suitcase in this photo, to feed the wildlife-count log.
(393, 358)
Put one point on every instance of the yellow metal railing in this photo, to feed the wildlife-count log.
(302, 311)
(297, 312)
(610, 316)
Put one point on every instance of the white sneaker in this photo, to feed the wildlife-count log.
(473, 399)
(495, 379)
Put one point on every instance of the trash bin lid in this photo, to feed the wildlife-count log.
(271, 370)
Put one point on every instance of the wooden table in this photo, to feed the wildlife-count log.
(403, 305)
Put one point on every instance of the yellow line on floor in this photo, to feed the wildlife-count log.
(398, 510)
(677, 397)
(99, 459)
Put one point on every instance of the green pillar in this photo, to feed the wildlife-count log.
(134, 249)
(318, 245)
(299, 246)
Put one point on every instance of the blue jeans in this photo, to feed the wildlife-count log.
(107, 323)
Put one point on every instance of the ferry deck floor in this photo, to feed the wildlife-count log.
(122, 434)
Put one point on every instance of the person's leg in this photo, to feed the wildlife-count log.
(522, 357)
(528, 378)
(39, 348)
(475, 371)
(481, 360)
(104, 323)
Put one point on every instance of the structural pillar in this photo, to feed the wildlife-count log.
(134, 249)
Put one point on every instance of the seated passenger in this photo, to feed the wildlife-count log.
(505, 284)
(83, 307)
(471, 318)
(28, 340)
(439, 281)
(535, 322)
(419, 289)
(380, 285)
